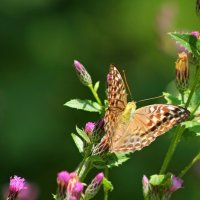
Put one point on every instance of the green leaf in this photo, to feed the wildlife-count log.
(83, 134)
(117, 159)
(193, 126)
(188, 41)
(107, 185)
(86, 105)
(96, 86)
(171, 99)
(79, 143)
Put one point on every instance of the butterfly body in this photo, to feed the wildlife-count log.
(128, 129)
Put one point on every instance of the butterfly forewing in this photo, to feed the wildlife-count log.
(147, 123)
(117, 100)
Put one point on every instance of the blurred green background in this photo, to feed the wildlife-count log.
(38, 42)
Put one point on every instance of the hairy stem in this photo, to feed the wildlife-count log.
(95, 94)
(106, 172)
(185, 170)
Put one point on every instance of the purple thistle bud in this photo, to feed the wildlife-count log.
(89, 127)
(182, 72)
(145, 183)
(82, 73)
(17, 184)
(176, 184)
(94, 186)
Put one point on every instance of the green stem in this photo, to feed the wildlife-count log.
(106, 172)
(175, 140)
(85, 169)
(95, 94)
(193, 112)
(185, 170)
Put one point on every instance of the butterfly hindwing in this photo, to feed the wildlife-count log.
(148, 122)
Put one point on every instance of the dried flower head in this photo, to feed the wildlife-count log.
(182, 72)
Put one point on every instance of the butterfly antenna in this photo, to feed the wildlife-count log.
(127, 86)
(151, 98)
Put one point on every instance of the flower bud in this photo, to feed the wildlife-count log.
(182, 72)
(94, 186)
(89, 127)
(145, 184)
(82, 73)
(17, 184)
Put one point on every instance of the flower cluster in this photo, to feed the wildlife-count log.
(160, 186)
(71, 188)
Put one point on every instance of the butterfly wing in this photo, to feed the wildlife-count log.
(148, 122)
(117, 101)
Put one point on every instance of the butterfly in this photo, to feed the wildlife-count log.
(128, 129)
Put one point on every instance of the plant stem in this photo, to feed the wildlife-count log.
(106, 172)
(193, 112)
(175, 140)
(95, 94)
(185, 170)
(86, 168)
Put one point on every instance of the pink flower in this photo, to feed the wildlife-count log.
(77, 190)
(89, 127)
(63, 177)
(62, 181)
(176, 184)
(17, 184)
(195, 33)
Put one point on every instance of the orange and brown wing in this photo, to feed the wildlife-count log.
(147, 123)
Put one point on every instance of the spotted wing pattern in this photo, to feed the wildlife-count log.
(117, 101)
(147, 123)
